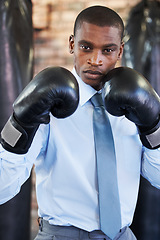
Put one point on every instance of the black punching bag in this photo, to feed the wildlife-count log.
(142, 52)
(16, 70)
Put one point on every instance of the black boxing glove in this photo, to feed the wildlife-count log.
(127, 92)
(54, 90)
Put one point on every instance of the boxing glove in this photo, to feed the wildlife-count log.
(127, 92)
(53, 90)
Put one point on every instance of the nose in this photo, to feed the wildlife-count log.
(95, 59)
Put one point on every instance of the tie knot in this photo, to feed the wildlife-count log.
(96, 100)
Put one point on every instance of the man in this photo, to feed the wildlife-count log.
(63, 151)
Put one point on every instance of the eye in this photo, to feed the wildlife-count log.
(85, 47)
(108, 50)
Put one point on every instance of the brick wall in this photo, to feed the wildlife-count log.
(53, 23)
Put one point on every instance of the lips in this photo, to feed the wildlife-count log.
(91, 74)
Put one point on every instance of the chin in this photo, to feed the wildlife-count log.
(96, 85)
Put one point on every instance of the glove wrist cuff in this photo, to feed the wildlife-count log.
(151, 138)
(15, 138)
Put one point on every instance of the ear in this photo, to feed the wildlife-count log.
(71, 44)
(121, 50)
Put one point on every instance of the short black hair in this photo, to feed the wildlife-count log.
(100, 16)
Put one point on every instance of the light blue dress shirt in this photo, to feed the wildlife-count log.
(64, 156)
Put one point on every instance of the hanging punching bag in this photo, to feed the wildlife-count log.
(16, 70)
(142, 41)
(142, 52)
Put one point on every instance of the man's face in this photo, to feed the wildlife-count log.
(96, 51)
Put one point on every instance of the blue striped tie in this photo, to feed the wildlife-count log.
(109, 204)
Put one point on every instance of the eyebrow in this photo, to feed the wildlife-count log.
(91, 44)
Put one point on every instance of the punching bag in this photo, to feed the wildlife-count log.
(142, 53)
(16, 70)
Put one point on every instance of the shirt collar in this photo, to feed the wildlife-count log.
(85, 90)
